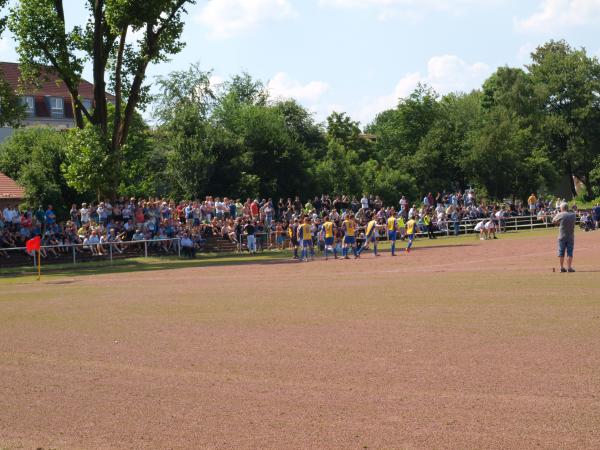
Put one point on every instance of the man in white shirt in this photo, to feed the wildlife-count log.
(84, 212)
(364, 202)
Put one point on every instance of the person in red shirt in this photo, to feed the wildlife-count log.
(254, 209)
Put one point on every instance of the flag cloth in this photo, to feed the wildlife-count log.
(33, 244)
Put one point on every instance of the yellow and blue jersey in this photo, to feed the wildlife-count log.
(400, 222)
(304, 232)
(328, 229)
(410, 227)
(349, 228)
(392, 224)
(371, 226)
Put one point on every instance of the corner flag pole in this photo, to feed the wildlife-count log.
(39, 252)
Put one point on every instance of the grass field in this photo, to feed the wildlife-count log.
(461, 344)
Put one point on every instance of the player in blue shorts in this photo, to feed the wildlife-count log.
(411, 227)
(305, 240)
(392, 230)
(328, 234)
(370, 236)
(349, 228)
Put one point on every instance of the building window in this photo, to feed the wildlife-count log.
(87, 104)
(57, 105)
(29, 103)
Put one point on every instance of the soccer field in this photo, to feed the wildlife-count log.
(470, 345)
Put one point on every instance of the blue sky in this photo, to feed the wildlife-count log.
(360, 56)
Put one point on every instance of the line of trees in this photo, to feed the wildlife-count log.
(524, 130)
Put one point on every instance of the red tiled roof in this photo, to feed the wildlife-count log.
(53, 86)
(10, 189)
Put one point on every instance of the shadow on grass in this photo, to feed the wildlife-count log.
(145, 265)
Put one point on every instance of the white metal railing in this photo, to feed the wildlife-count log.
(107, 249)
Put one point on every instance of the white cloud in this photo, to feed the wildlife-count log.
(553, 14)
(227, 18)
(525, 51)
(282, 86)
(447, 73)
(409, 9)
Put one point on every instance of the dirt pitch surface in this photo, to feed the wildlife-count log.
(479, 346)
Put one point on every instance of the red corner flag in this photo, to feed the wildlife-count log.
(33, 244)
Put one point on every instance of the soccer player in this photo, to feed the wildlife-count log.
(392, 230)
(293, 234)
(411, 226)
(349, 228)
(370, 236)
(401, 227)
(305, 240)
(327, 229)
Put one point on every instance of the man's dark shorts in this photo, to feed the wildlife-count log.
(565, 246)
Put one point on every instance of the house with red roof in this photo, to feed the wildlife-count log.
(49, 103)
(10, 192)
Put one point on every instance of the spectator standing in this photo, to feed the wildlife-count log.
(250, 230)
(566, 236)
(596, 215)
(50, 217)
(531, 202)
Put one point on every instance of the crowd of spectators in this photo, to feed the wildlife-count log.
(125, 221)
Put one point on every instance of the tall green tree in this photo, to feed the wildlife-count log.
(43, 41)
(567, 82)
(505, 158)
(399, 131)
(33, 157)
(436, 164)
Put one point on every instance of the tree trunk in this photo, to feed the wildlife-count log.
(589, 194)
(77, 112)
(100, 114)
(572, 179)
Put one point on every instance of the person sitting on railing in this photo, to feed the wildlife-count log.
(442, 222)
(115, 239)
(542, 215)
(93, 244)
(6, 241)
(187, 246)
(47, 240)
(70, 237)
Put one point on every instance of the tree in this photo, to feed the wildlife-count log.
(513, 89)
(436, 164)
(33, 157)
(399, 131)
(12, 110)
(44, 43)
(567, 82)
(505, 158)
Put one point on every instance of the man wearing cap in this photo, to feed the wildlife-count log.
(566, 236)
